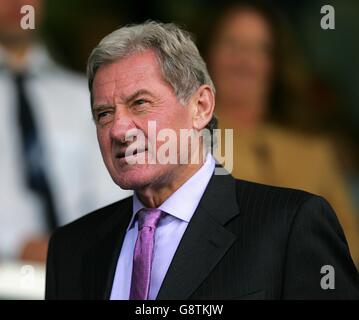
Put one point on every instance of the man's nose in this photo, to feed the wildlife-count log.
(121, 124)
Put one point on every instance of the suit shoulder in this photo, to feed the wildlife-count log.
(87, 224)
(263, 190)
(271, 198)
(278, 210)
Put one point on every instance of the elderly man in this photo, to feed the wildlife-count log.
(187, 232)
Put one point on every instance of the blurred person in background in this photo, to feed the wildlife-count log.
(51, 172)
(259, 90)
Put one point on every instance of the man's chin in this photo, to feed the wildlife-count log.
(135, 179)
(129, 185)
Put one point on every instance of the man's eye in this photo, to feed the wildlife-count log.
(103, 117)
(140, 101)
(102, 114)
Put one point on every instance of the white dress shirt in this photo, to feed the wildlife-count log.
(180, 207)
(78, 178)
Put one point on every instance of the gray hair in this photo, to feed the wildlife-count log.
(179, 59)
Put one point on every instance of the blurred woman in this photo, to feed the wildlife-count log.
(258, 92)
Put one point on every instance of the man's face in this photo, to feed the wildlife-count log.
(127, 94)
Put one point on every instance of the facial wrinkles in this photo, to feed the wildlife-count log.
(103, 91)
(121, 85)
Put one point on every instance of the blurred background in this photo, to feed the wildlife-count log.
(288, 88)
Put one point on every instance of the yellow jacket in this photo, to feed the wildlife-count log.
(275, 156)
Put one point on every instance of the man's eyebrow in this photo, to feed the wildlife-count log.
(138, 93)
(134, 96)
(99, 107)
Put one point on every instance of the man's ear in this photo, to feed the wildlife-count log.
(202, 105)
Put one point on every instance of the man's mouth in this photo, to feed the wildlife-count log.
(129, 153)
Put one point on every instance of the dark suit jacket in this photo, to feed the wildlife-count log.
(245, 241)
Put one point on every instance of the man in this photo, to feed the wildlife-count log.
(42, 108)
(187, 233)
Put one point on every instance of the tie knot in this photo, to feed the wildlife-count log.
(148, 217)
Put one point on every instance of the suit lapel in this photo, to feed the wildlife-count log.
(99, 262)
(205, 241)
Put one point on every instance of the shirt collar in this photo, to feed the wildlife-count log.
(184, 201)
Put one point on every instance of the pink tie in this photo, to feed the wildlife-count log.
(148, 220)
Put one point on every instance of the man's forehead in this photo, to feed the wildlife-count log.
(135, 67)
(124, 77)
(122, 88)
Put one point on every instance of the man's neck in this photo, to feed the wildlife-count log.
(16, 54)
(153, 196)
